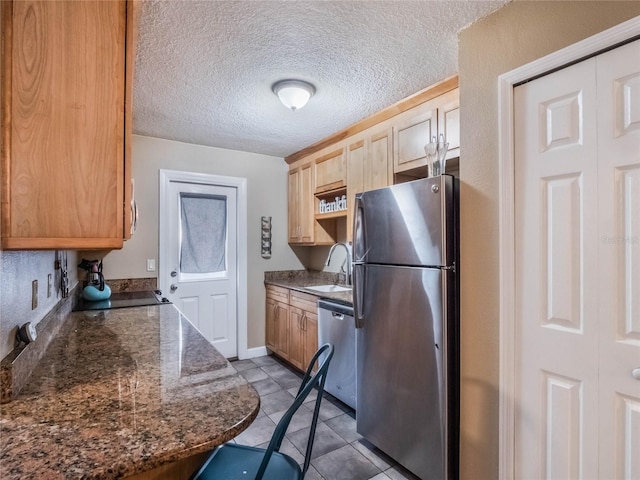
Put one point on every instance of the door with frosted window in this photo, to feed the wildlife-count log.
(200, 255)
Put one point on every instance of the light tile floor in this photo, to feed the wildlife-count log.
(339, 452)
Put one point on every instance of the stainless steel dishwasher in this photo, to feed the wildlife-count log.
(336, 326)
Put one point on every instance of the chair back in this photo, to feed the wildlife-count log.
(309, 382)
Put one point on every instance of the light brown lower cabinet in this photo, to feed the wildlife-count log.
(291, 328)
(297, 320)
(310, 338)
(282, 334)
(277, 321)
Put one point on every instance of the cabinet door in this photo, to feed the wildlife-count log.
(63, 128)
(296, 340)
(294, 206)
(449, 121)
(271, 332)
(330, 171)
(306, 201)
(310, 337)
(355, 180)
(378, 171)
(301, 203)
(409, 138)
(130, 203)
(282, 330)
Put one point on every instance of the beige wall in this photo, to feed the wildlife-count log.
(513, 36)
(266, 196)
(17, 271)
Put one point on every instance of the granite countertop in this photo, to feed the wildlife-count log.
(299, 280)
(119, 392)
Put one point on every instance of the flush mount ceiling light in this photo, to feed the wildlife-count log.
(294, 94)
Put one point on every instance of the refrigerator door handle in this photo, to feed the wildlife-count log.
(359, 246)
(358, 289)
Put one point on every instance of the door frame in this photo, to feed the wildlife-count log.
(506, 165)
(240, 184)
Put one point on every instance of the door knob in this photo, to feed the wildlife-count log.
(635, 373)
(173, 287)
(174, 274)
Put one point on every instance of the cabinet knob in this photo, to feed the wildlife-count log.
(635, 373)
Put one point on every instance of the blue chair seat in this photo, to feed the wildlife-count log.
(240, 462)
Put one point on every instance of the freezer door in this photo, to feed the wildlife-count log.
(406, 224)
(402, 374)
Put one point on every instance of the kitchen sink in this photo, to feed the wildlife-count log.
(329, 288)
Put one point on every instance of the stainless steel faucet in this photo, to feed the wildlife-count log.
(348, 259)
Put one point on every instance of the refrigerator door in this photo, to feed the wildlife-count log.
(402, 373)
(406, 224)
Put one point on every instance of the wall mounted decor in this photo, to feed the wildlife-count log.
(266, 237)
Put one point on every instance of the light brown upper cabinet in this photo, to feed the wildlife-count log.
(378, 151)
(415, 128)
(449, 121)
(331, 172)
(369, 166)
(301, 204)
(304, 229)
(378, 169)
(66, 123)
(410, 137)
(356, 153)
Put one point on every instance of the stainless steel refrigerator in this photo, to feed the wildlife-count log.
(406, 312)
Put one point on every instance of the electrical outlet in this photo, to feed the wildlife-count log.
(34, 294)
(49, 285)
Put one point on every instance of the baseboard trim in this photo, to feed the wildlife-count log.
(256, 352)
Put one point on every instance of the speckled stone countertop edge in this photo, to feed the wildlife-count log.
(299, 280)
(61, 422)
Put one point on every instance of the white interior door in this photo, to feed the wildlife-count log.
(618, 78)
(198, 258)
(577, 184)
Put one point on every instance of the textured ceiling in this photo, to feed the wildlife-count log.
(204, 69)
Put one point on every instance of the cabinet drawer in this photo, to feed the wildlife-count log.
(331, 171)
(304, 301)
(279, 294)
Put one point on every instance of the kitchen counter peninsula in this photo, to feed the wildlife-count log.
(121, 392)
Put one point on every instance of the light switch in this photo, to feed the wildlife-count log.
(151, 264)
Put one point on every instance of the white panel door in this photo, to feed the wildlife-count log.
(619, 259)
(198, 253)
(556, 277)
(577, 184)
